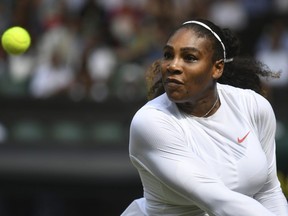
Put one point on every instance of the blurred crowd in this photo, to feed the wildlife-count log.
(98, 49)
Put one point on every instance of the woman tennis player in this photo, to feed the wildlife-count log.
(204, 144)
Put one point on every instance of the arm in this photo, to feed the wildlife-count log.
(156, 143)
(270, 195)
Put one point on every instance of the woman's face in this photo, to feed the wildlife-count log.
(188, 73)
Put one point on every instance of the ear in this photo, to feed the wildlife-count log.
(218, 69)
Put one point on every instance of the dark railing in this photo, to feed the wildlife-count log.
(59, 157)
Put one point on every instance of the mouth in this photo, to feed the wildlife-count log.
(173, 81)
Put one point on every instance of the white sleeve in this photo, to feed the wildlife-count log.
(157, 143)
(271, 195)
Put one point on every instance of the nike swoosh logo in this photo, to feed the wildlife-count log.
(240, 140)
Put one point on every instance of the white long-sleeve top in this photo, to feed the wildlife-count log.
(222, 165)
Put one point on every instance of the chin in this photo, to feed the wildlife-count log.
(176, 98)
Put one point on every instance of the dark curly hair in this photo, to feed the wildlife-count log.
(242, 72)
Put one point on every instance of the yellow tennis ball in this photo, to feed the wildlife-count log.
(15, 40)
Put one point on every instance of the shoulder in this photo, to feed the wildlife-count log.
(235, 91)
(155, 114)
(160, 106)
(245, 98)
(156, 123)
(250, 103)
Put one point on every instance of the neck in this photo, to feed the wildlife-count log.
(203, 108)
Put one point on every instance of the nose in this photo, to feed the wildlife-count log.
(174, 66)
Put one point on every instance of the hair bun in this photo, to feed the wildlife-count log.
(231, 42)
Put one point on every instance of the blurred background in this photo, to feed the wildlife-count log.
(66, 104)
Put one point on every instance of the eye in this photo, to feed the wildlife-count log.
(190, 58)
(167, 55)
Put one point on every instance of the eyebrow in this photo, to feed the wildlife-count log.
(184, 49)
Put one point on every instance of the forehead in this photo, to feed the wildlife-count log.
(188, 38)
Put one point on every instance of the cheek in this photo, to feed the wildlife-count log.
(198, 79)
(199, 82)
